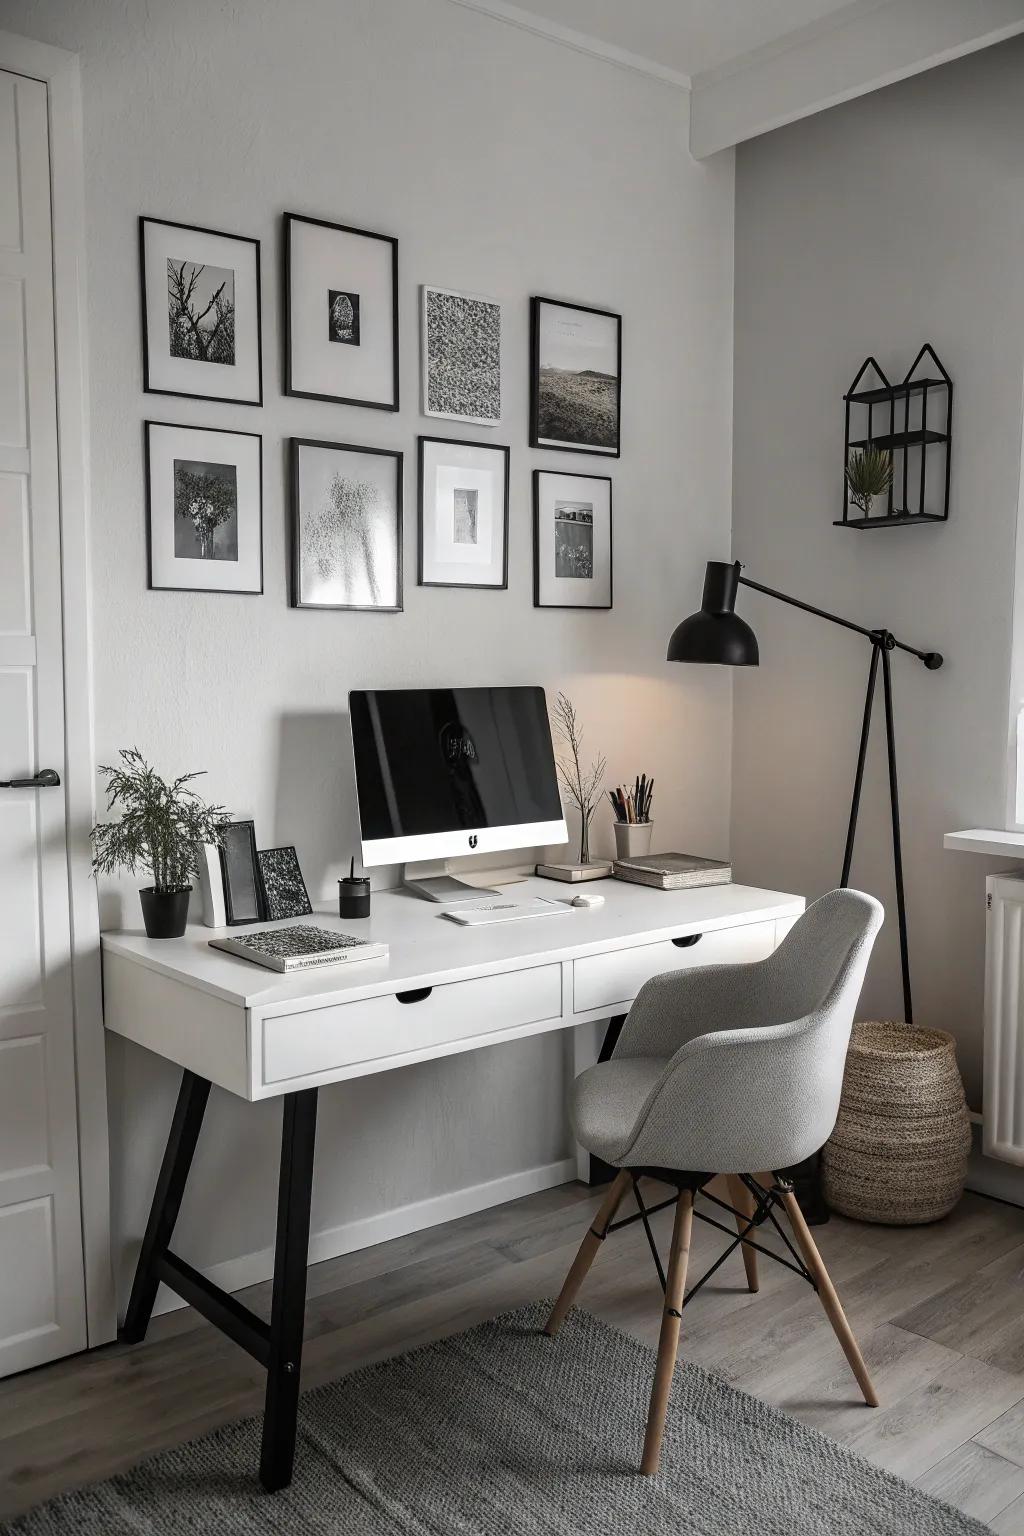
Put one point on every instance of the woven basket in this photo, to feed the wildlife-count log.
(898, 1154)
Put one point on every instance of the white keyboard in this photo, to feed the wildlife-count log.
(475, 914)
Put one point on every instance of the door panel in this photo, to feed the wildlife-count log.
(42, 1286)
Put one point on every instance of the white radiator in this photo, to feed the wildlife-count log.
(1003, 1128)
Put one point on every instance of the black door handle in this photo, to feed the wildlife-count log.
(46, 778)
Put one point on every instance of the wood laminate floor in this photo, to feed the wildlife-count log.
(939, 1312)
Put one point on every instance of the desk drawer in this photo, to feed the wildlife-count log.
(329, 1039)
(613, 980)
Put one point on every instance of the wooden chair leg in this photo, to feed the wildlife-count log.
(587, 1252)
(829, 1299)
(668, 1343)
(743, 1201)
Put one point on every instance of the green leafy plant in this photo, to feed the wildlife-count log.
(868, 474)
(161, 824)
(582, 786)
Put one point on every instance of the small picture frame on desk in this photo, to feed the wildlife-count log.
(243, 892)
(284, 890)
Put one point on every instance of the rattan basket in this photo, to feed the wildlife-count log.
(898, 1154)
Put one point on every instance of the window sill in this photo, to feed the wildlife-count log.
(1000, 845)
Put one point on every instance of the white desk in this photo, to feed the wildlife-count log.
(443, 989)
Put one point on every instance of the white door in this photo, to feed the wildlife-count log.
(42, 1286)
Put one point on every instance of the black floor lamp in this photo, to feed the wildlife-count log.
(717, 634)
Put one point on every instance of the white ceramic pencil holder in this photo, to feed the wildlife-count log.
(633, 839)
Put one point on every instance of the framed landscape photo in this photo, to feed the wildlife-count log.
(204, 493)
(575, 377)
(341, 313)
(346, 526)
(201, 328)
(463, 513)
(572, 540)
(461, 356)
(284, 890)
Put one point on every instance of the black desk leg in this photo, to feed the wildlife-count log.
(298, 1135)
(170, 1187)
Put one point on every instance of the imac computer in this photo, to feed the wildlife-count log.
(448, 771)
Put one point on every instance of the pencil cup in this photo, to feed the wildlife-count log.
(354, 896)
(633, 839)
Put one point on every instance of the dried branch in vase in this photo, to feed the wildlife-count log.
(582, 787)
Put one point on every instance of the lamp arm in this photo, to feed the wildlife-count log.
(931, 659)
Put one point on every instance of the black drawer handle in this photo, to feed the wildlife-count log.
(688, 940)
(415, 996)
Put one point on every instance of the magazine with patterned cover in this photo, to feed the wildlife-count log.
(300, 948)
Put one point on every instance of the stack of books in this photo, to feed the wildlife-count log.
(673, 871)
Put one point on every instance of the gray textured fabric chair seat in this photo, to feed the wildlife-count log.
(734, 1071)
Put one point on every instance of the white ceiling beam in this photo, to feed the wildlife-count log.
(580, 42)
(859, 49)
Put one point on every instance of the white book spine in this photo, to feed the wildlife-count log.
(211, 883)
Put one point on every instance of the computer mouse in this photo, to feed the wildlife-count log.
(586, 900)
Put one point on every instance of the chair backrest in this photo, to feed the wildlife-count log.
(822, 960)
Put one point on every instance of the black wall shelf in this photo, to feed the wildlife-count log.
(895, 418)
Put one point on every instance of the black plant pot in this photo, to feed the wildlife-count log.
(165, 913)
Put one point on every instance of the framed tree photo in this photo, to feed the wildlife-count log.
(204, 492)
(346, 526)
(341, 313)
(463, 513)
(461, 356)
(201, 328)
(572, 540)
(575, 377)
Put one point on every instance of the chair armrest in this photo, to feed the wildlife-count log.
(745, 1100)
(678, 1006)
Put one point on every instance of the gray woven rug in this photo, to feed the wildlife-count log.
(503, 1432)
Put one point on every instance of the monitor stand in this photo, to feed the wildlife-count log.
(433, 880)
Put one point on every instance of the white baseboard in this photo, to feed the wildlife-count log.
(252, 1268)
(990, 1176)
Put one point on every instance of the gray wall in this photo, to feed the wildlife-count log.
(505, 165)
(891, 221)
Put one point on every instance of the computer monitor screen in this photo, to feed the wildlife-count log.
(447, 771)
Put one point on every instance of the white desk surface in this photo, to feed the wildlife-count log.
(426, 949)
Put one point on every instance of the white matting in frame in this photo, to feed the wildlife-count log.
(572, 540)
(463, 513)
(341, 309)
(205, 508)
(201, 313)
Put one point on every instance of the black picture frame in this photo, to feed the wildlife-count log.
(461, 442)
(238, 842)
(560, 445)
(296, 445)
(221, 234)
(274, 910)
(572, 607)
(147, 428)
(289, 221)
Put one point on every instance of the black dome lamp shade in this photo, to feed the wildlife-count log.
(716, 634)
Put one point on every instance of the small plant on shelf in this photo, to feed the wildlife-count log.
(582, 786)
(160, 831)
(868, 474)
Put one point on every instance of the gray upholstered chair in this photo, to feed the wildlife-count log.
(728, 1069)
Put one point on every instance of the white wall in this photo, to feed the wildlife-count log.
(891, 221)
(506, 165)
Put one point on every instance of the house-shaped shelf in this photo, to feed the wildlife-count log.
(912, 421)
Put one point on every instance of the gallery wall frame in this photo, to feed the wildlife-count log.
(304, 536)
(309, 308)
(584, 553)
(475, 455)
(460, 354)
(167, 373)
(162, 562)
(575, 408)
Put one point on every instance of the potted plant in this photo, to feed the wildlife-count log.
(868, 474)
(582, 786)
(161, 828)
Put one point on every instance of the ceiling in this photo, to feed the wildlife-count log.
(687, 37)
